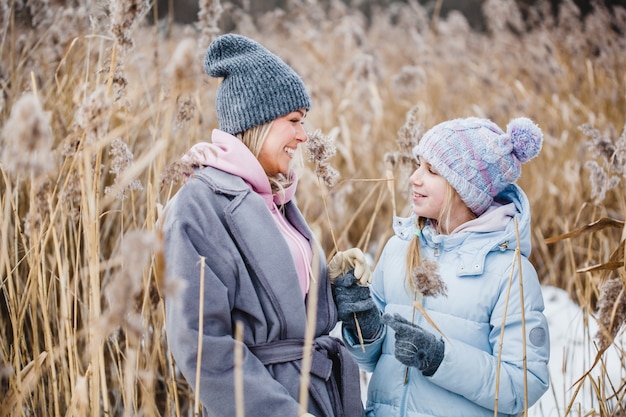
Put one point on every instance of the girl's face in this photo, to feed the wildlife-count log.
(281, 143)
(429, 195)
(428, 190)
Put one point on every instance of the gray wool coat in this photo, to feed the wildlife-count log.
(249, 277)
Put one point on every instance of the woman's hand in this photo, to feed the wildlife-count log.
(354, 301)
(344, 261)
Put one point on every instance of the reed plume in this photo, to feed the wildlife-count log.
(426, 280)
(320, 149)
(93, 116)
(122, 159)
(611, 311)
(27, 134)
(125, 15)
(365, 71)
(208, 18)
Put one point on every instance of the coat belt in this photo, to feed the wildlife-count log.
(326, 351)
(289, 350)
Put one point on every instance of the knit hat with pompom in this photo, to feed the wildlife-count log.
(477, 158)
(257, 85)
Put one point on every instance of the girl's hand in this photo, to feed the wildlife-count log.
(415, 346)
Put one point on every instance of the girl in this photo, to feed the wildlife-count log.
(234, 227)
(463, 331)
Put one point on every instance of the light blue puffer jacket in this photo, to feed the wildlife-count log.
(484, 328)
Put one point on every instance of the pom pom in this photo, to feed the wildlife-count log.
(527, 138)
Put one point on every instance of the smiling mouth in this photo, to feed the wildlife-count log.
(289, 151)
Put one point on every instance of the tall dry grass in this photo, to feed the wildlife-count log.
(96, 106)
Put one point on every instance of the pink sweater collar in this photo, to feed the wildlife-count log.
(227, 153)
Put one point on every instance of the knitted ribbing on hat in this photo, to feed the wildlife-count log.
(477, 158)
(257, 86)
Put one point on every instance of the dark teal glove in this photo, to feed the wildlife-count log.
(415, 346)
(350, 298)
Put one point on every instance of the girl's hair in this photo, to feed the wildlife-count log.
(446, 208)
(413, 255)
(254, 138)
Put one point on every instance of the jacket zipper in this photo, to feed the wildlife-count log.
(405, 393)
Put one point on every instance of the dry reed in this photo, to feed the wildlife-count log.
(111, 101)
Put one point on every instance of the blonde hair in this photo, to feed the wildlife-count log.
(413, 255)
(446, 208)
(254, 138)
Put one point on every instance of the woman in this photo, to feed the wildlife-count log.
(463, 331)
(234, 228)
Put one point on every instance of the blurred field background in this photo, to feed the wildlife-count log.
(99, 99)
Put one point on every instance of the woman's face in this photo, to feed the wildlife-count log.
(281, 143)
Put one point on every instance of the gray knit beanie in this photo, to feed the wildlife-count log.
(477, 158)
(257, 86)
